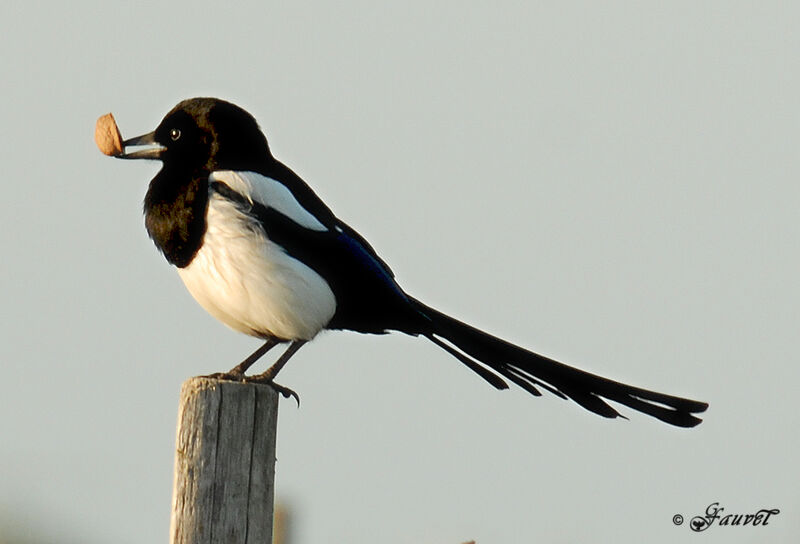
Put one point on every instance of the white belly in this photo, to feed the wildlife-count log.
(250, 284)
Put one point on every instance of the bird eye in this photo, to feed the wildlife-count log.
(174, 134)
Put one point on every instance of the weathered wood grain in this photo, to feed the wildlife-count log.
(224, 463)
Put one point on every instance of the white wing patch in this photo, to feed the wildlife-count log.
(270, 193)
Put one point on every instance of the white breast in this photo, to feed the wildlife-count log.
(249, 283)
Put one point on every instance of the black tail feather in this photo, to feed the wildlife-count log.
(484, 373)
(488, 356)
(520, 378)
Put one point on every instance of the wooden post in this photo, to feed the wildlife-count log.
(224, 463)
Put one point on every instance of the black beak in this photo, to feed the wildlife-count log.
(153, 153)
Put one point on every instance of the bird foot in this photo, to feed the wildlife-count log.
(267, 380)
(227, 376)
(259, 378)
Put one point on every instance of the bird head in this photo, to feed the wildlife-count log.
(203, 134)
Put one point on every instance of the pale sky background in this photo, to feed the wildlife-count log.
(613, 184)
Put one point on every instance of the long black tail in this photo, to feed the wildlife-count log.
(492, 357)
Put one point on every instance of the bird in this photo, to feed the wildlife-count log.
(261, 252)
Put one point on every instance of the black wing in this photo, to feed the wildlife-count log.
(367, 297)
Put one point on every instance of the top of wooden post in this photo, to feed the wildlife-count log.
(224, 463)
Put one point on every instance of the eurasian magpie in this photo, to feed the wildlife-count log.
(260, 251)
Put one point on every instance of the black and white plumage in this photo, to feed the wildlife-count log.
(263, 254)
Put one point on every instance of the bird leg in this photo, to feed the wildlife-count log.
(268, 375)
(236, 374)
(242, 367)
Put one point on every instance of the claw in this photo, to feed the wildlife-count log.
(283, 390)
(286, 392)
